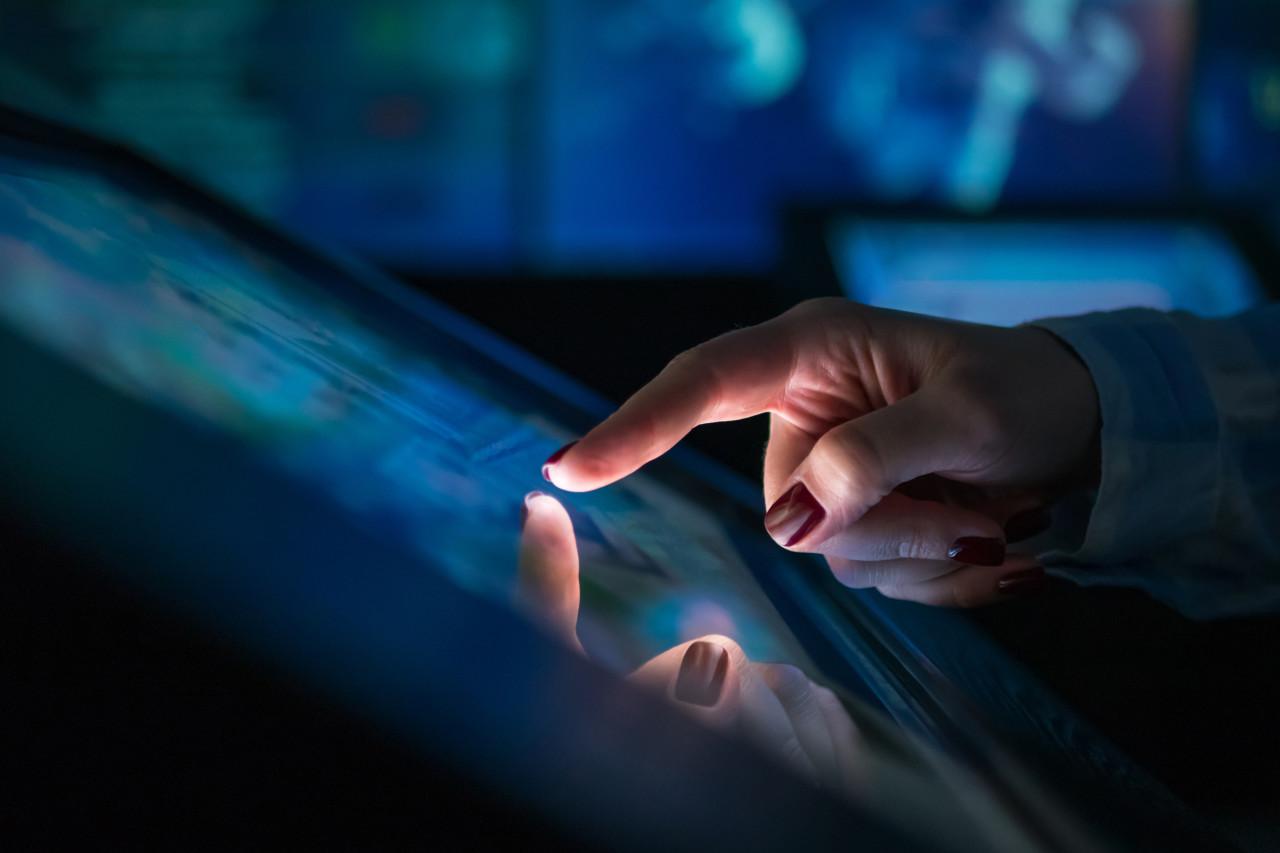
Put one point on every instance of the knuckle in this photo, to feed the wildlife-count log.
(698, 366)
(915, 545)
(988, 416)
(852, 461)
(893, 591)
(821, 306)
(857, 574)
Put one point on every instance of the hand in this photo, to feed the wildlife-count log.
(774, 705)
(900, 447)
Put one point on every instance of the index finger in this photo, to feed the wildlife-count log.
(734, 376)
(547, 587)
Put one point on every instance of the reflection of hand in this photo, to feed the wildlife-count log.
(774, 705)
(900, 446)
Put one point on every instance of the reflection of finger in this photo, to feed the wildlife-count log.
(787, 448)
(845, 739)
(799, 698)
(547, 588)
(714, 678)
(745, 705)
(973, 586)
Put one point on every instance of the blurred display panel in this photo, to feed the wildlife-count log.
(383, 125)
(1236, 114)
(1008, 273)
(657, 135)
(676, 129)
(415, 437)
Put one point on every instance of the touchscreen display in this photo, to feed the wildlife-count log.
(1010, 272)
(409, 434)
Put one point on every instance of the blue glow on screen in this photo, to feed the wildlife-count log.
(1008, 273)
(416, 439)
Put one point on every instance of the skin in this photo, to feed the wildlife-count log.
(800, 723)
(909, 432)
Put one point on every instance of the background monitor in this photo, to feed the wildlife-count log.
(642, 135)
(1236, 108)
(677, 130)
(1008, 272)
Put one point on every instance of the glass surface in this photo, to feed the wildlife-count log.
(1008, 273)
(416, 439)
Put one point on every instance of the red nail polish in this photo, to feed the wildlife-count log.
(553, 459)
(702, 673)
(524, 506)
(977, 551)
(794, 515)
(1025, 581)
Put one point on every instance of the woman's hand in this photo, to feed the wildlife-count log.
(774, 705)
(907, 450)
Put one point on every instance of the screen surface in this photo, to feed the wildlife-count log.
(412, 436)
(1008, 273)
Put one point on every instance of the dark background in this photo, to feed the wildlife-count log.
(605, 184)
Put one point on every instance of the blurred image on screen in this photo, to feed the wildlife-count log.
(676, 130)
(384, 126)
(641, 134)
(1236, 114)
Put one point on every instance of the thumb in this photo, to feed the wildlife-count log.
(712, 680)
(853, 466)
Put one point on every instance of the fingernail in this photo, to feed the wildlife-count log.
(794, 515)
(524, 507)
(1024, 525)
(553, 459)
(702, 672)
(977, 551)
(1020, 583)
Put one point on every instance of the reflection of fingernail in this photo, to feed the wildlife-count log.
(794, 515)
(1019, 583)
(524, 507)
(553, 459)
(977, 551)
(702, 672)
(1024, 525)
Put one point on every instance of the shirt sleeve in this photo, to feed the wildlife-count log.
(1188, 505)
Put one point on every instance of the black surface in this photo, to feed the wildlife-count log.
(126, 726)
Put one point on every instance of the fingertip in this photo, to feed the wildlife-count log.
(543, 518)
(794, 517)
(549, 466)
(572, 469)
(527, 504)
